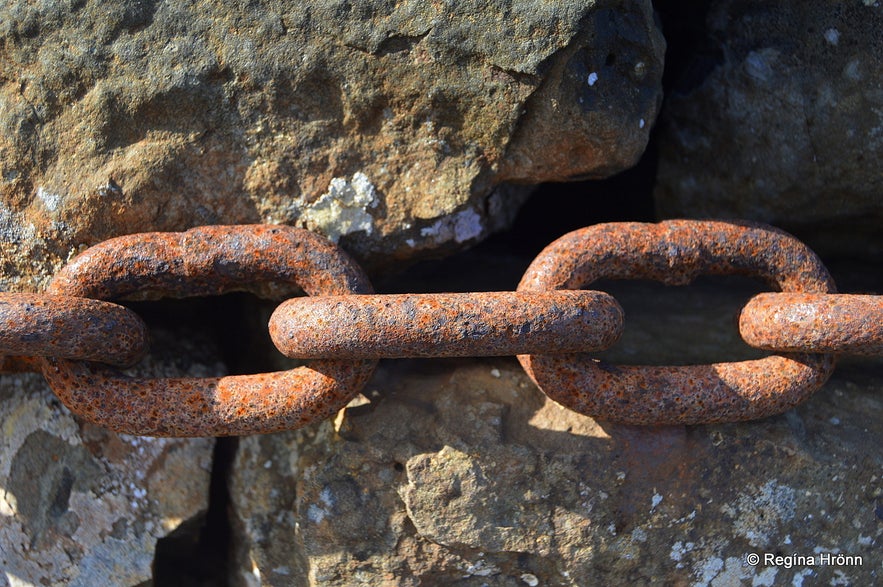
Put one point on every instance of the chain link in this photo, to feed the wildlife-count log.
(67, 331)
(446, 325)
(675, 252)
(208, 261)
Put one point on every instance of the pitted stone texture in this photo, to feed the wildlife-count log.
(387, 124)
(461, 477)
(462, 473)
(83, 506)
(787, 124)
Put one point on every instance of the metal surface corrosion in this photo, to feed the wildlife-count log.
(826, 323)
(72, 328)
(267, 260)
(446, 324)
(203, 261)
(21, 364)
(674, 252)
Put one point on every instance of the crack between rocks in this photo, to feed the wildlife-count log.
(199, 551)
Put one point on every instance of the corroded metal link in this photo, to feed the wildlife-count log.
(71, 328)
(201, 261)
(674, 252)
(446, 324)
(817, 323)
(16, 364)
(267, 260)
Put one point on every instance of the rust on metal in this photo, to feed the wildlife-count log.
(814, 323)
(218, 406)
(446, 324)
(267, 260)
(16, 364)
(205, 261)
(674, 252)
(71, 328)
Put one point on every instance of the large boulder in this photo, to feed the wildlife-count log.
(388, 124)
(779, 117)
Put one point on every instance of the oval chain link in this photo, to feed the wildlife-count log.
(446, 325)
(674, 252)
(205, 261)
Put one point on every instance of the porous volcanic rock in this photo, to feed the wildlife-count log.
(387, 124)
(778, 117)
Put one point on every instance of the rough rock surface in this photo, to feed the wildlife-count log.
(385, 123)
(83, 506)
(460, 472)
(780, 118)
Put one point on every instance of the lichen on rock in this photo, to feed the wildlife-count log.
(343, 209)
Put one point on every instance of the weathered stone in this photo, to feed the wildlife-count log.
(780, 118)
(83, 506)
(460, 472)
(387, 124)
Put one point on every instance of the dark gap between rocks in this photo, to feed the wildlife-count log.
(690, 55)
(199, 551)
(553, 210)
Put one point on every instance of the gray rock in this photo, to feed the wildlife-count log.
(83, 506)
(460, 472)
(387, 124)
(786, 126)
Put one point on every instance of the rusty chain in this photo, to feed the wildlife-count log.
(75, 335)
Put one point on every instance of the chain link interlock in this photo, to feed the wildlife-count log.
(75, 335)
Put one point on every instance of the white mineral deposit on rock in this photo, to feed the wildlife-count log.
(343, 209)
(800, 575)
(679, 549)
(759, 513)
(315, 514)
(463, 226)
(655, 500)
(50, 200)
